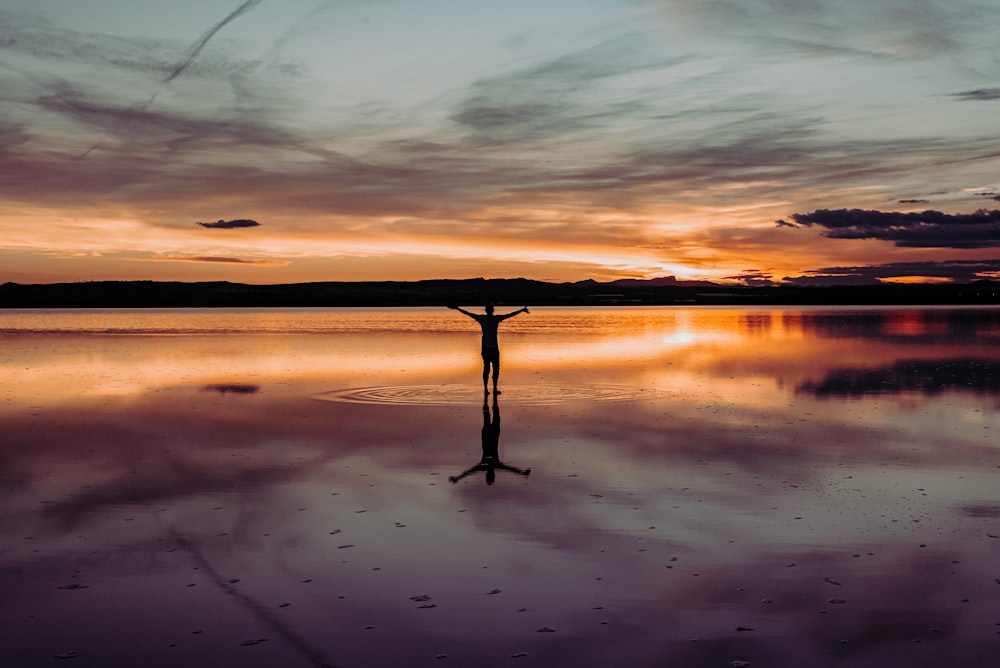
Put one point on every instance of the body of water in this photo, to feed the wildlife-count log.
(654, 487)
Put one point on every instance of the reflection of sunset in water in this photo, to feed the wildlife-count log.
(166, 352)
(282, 474)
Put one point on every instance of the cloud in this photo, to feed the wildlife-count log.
(753, 279)
(160, 129)
(958, 271)
(928, 229)
(231, 224)
(220, 260)
(30, 37)
(558, 98)
(208, 35)
(980, 94)
(929, 377)
(880, 28)
(613, 125)
(233, 388)
(589, 142)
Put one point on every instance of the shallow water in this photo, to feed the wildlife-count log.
(787, 487)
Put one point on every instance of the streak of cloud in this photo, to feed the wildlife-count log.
(978, 95)
(957, 271)
(896, 29)
(231, 224)
(310, 653)
(618, 131)
(196, 48)
(928, 229)
(221, 260)
(754, 279)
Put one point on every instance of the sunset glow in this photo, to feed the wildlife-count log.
(731, 141)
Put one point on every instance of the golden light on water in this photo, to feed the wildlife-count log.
(294, 460)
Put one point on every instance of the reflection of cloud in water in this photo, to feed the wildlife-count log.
(794, 614)
(929, 377)
(901, 325)
(265, 614)
(232, 388)
(671, 515)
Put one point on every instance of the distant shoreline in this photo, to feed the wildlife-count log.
(516, 291)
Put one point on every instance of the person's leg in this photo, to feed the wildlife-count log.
(486, 371)
(496, 370)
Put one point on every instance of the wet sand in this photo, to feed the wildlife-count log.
(782, 487)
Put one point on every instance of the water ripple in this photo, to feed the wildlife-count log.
(456, 394)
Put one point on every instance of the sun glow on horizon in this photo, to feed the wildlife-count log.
(917, 280)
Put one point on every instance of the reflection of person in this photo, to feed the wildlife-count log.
(490, 461)
(490, 347)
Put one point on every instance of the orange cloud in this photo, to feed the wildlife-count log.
(220, 260)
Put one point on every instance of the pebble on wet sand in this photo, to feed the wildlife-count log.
(251, 643)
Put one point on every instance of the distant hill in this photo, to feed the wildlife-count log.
(473, 291)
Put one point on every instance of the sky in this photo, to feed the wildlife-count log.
(274, 141)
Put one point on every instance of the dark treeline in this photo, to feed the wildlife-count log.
(519, 291)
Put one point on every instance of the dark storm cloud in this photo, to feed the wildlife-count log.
(231, 224)
(928, 229)
(980, 94)
(959, 271)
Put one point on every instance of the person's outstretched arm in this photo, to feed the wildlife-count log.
(513, 313)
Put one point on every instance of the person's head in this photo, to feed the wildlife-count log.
(489, 308)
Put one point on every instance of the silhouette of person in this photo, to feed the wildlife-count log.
(490, 462)
(490, 346)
